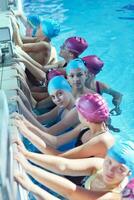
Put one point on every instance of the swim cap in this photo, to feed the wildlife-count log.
(93, 107)
(123, 152)
(128, 191)
(50, 28)
(76, 44)
(93, 64)
(75, 64)
(55, 72)
(58, 83)
(34, 20)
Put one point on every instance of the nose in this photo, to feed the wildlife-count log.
(112, 170)
(57, 99)
(76, 79)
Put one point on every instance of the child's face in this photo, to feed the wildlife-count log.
(113, 171)
(77, 78)
(64, 52)
(61, 98)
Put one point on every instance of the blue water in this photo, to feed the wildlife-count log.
(108, 26)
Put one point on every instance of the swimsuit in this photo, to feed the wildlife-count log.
(98, 90)
(70, 144)
(78, 180)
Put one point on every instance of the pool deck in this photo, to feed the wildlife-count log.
(10, 84)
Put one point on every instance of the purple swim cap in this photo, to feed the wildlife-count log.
(76, 44)
(93, 107)
(93, 63)
(128, 191)
(55, 72)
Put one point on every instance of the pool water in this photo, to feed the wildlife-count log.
(108, 26)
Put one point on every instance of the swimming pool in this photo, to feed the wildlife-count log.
(108, 26)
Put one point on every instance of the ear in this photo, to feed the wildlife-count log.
(129, 173)
(87, 121)
(91, 75)
(86, 74)
(71, 55)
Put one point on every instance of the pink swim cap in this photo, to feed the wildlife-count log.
(55, 72)
(76, 44)
(128, 191)
(93, 107)
(93, 63)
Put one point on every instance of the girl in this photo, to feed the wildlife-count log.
(77, 74)
(94, 65)
(61, 94)
(95, 139)
(107, 178)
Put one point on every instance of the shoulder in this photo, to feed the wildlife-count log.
(44, 44)
(107, 139)
(102, 86)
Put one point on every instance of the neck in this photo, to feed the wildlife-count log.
(71, 104)
(97, 127)
(78, 91)
(68, 59)
(90, 81)
(47, 40)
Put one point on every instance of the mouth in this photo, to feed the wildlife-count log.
(59, 103)
(108, 177)
(78, 83)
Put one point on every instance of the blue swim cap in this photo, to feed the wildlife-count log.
(50, 28)
(75, 64)
(34, 20)
(58, 83)
(123, 152)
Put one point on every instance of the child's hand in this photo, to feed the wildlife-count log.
(115, 111)
(22, 160)
(23, 180)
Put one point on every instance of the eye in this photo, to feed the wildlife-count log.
(71, 76)
(108, 162)
(79, 74)
(121, 170)
(53, 97)
(60, 93)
